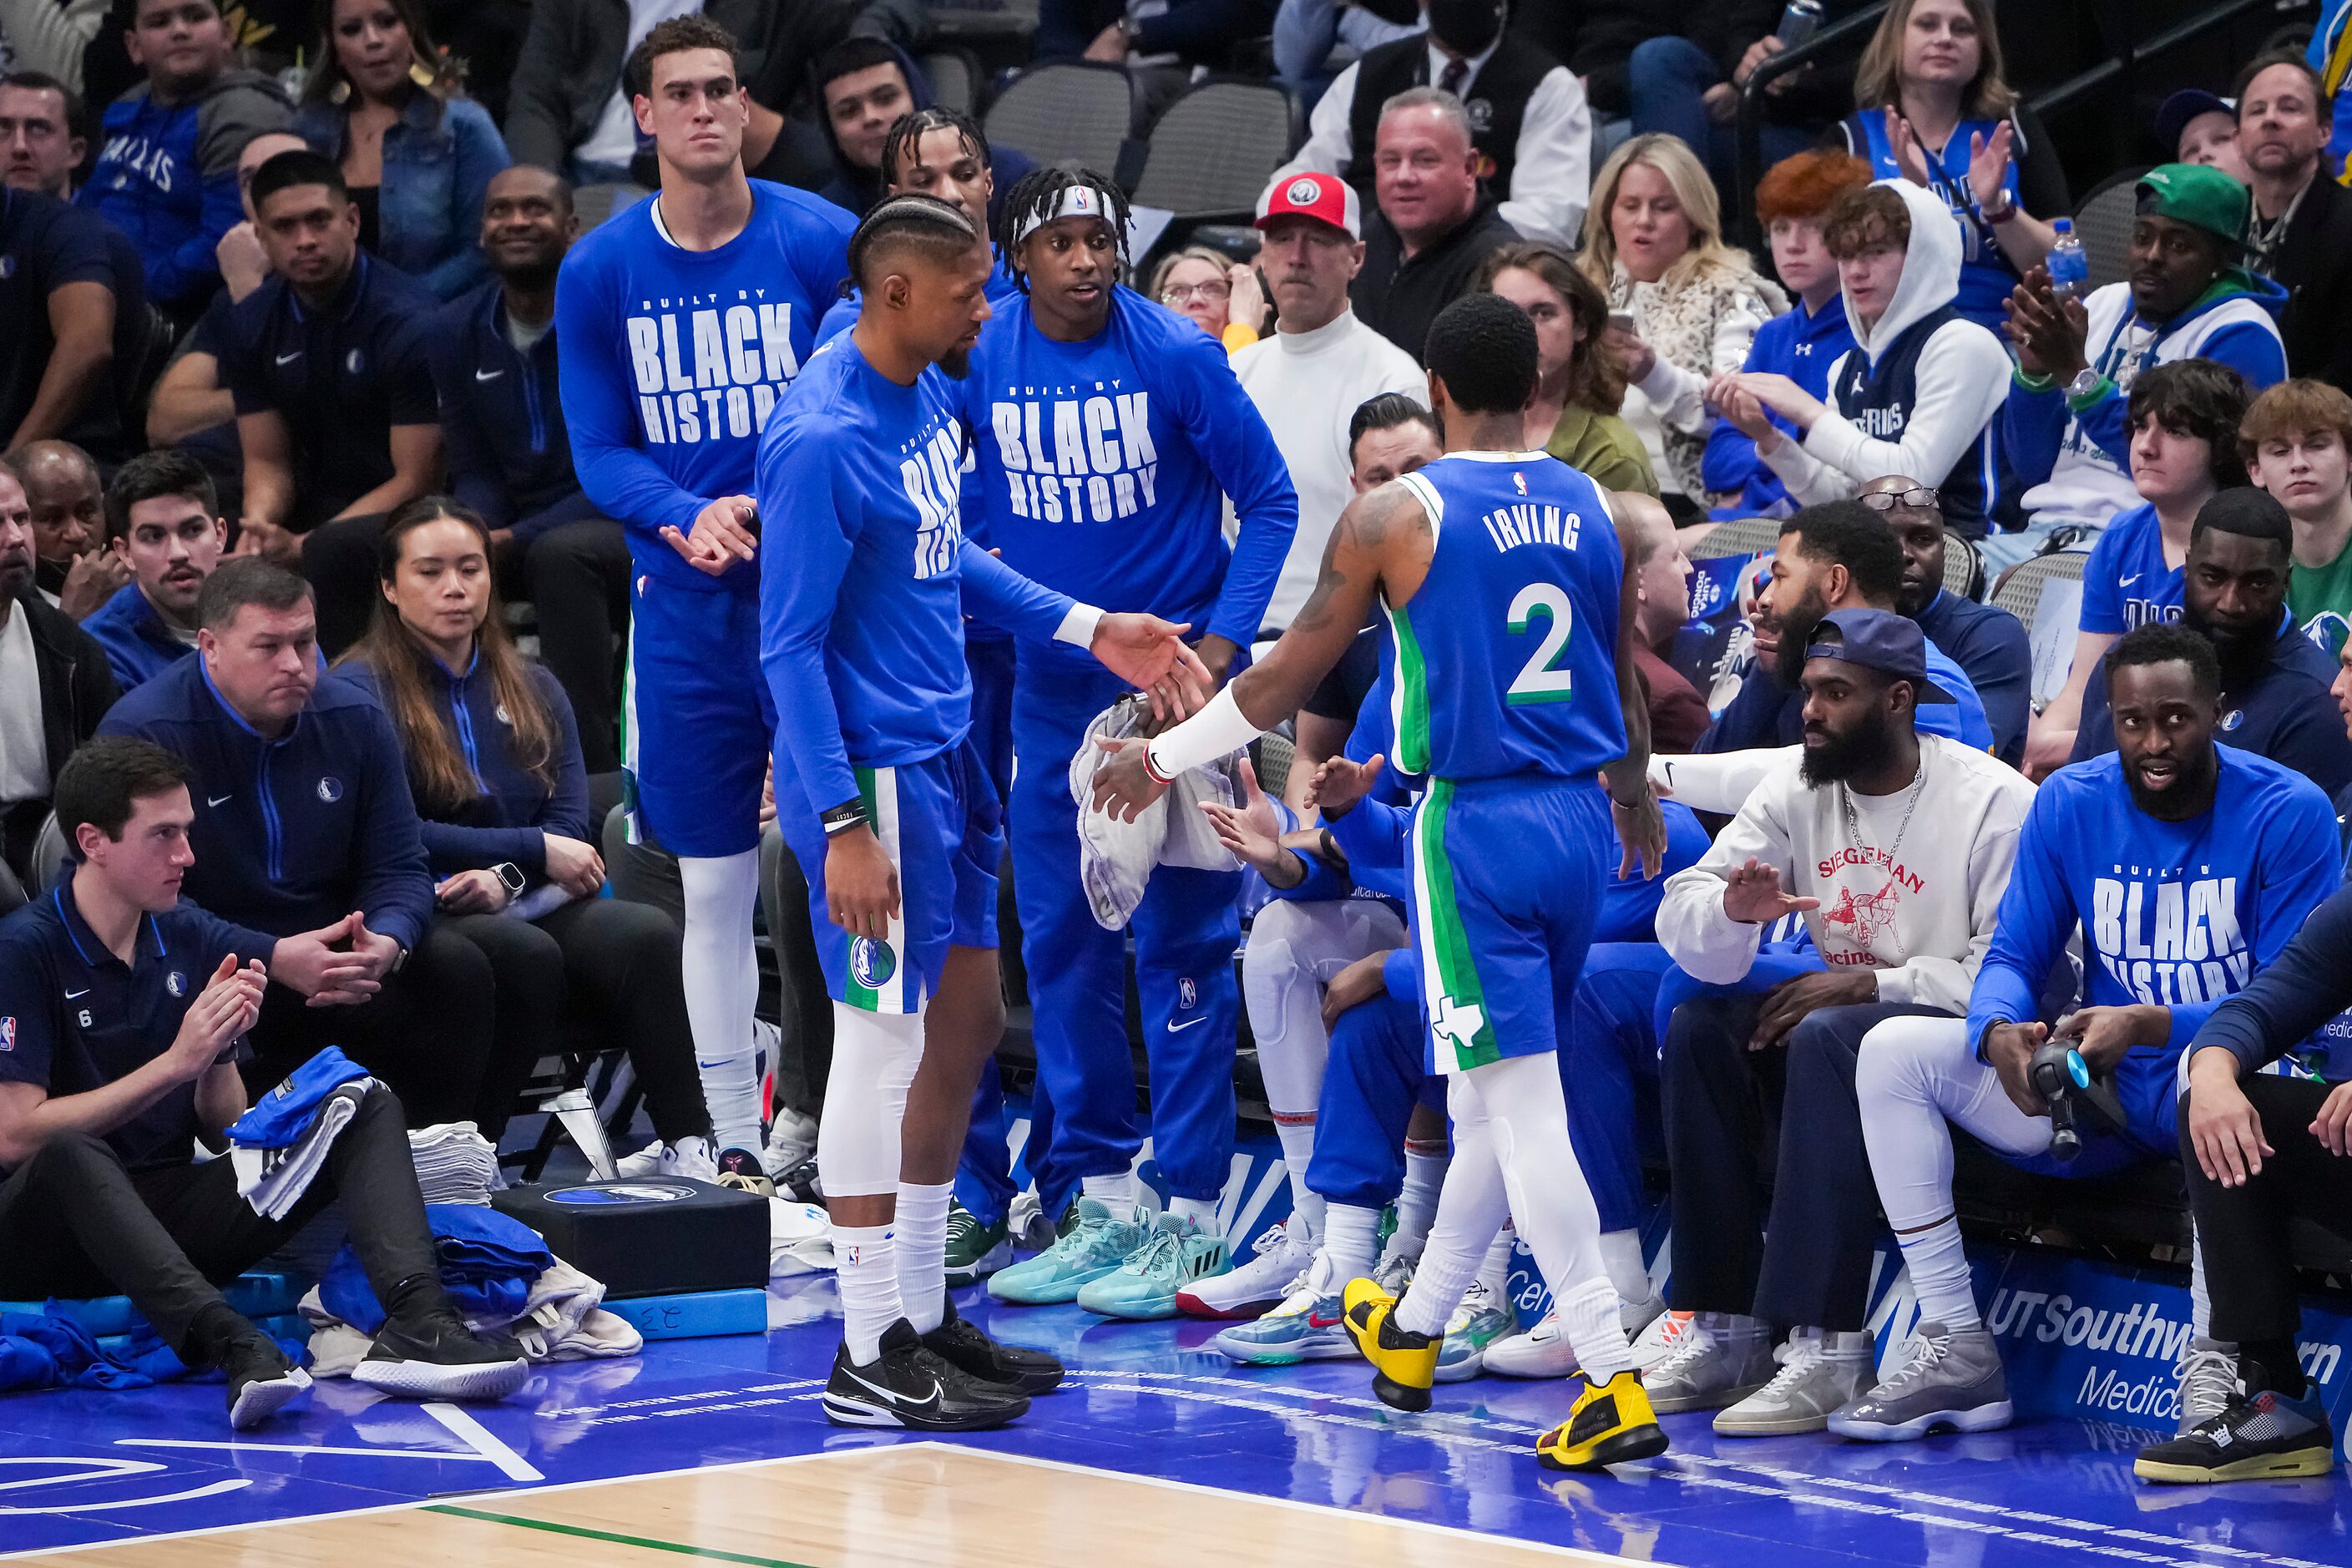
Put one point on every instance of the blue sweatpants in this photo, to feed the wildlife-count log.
(1372, 1082)
(1610, 1044)
(984, 1169)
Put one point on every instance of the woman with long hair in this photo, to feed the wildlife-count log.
(1580, 380)
(1935, 110)
(415, 152)
(494, 762)
(1683, 305)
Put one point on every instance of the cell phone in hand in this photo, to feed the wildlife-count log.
(1625, 321)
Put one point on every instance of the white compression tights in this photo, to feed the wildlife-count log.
(1513, 1161)
(723, 986)
(857, 1141)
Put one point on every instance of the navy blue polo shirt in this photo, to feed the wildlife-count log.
(45, 245)
(340, 377)
(74, 1017)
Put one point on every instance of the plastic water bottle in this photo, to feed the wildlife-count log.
(2070, 269)
(1799, 23)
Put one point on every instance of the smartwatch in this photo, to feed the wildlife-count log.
(508, 872)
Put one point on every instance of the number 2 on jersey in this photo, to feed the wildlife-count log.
(1538, 682)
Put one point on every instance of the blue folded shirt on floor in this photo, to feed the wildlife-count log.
(488, 1262)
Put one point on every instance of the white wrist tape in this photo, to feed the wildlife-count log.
(1078, 627)
(1217, 731)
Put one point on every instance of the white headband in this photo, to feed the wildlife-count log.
(1079, 201)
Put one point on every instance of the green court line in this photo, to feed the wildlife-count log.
(710, 1553)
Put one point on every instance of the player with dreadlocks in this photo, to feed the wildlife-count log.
(1111, 433)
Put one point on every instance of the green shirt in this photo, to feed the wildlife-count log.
(1604, 448)
(2321, 600)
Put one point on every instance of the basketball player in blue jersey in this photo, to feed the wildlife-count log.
(1502, 578)
(684, 320)
(935, 153)
(864, 577)
(1110, 433)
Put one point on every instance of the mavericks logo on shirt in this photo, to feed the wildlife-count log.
(708, 367)
(1075, 454)
(2169, 938)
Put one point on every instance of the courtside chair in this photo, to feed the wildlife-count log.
(1072, 111)
(2020, 587)
(955, 79)
(1213, 150)
(2103, 220)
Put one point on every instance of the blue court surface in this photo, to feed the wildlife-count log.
(89, 1468)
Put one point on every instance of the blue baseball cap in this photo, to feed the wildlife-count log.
(1880, 641)
(2173, 116)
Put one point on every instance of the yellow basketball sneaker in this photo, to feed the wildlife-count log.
(1404, 1364)
(1609, 1424)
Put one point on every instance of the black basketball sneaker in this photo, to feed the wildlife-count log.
(910, 1386)
(970, 1347)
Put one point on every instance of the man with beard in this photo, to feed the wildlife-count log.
(1840, 555)
(2183, 884)
(2273, 680)
(54, 685)
(1987, 642)
(1896, 847)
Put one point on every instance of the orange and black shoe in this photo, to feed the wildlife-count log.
(1404, 1364)
(1609, 1424)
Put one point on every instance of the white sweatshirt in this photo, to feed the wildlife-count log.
(1922, 916)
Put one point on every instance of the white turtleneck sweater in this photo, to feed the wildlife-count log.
(1308, 386)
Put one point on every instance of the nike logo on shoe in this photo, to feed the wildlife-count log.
(928, 1405)
(1318, 1320)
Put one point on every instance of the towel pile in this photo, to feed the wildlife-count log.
(278, 1147)
(454, 1163)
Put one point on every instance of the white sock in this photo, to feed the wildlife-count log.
(1621, 1255)
(1436, 1289)
(1495, 1270)
(1297, 1134)
(1114, 1193)
(1589, 1315)
(1351, 1241)
(723, 985)
(1424, 1178)
(1940, 1274)
(919, 1241)
(867, 1273)
(1201, 1212)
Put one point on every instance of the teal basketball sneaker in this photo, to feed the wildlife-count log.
(1095, 1246)
(1482, 1319)
(1176, 1253)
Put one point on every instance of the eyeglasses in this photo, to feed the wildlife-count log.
(1919, 499)
(1213, 290)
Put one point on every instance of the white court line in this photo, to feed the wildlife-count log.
(310, 1449)
(478, 1436)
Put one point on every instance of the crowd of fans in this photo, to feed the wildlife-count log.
(284, 429)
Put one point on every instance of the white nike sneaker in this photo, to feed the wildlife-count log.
(792, 1138)
(688, 1157)
(1544, 1350)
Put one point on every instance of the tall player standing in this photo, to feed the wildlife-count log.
(1502, 578)
(684, 319)
(886, 799)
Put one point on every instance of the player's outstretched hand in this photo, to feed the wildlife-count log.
(722, 535)
(1252, 831)
(1641, 831)
(1123, 782)
(1150, 655)
(1753, 896)
(861, 885)
(1338, 783)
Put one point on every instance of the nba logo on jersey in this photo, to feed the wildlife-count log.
(1519, 481)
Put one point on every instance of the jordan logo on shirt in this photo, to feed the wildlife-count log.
(2166, 938)
(708, 367)
(1074, 454)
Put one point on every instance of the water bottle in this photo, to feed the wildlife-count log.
(2070, 269)
(1799, 23)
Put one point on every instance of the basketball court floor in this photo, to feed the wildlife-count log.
(1155, 1452)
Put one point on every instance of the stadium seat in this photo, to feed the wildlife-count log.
(48, 857)
(1216, 147)
(1745, 536)
(2019, 589)
(12, 891)
(1963, 567)
(1071, 111)
(2103, 221)
(955, 79)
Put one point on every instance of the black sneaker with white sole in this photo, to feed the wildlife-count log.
(970, 1348)
(912, 1386)
(436, 1357)
(2267, 1435)
(260, 1379)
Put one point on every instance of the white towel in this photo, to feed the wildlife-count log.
(274, 1180)
(800, 1239)
(454, 1163)
(1115, 858)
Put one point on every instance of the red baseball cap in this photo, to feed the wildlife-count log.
(1324, 197)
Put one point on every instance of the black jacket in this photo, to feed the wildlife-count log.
(2314, 265)
(1596, 39)
(1399, 299)
(77, 689)
(1727, 28)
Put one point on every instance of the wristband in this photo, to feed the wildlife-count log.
(842, 817)
(2032, 381)
(2006, 213)
(1217, 731)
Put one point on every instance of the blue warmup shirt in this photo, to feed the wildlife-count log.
(283, 1116)
(74, 1017)
(295, 833)
(675, 358)
(1804, 347)
(1990, 644)
(2126, 583)
(1104, 465)
(860, 488)
(2177, 914)
(515, 812)
(1002, 287)
(502, 419)
(139, 645)
(1764, 714)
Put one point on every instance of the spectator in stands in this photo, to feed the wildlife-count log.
(1433, 228)
(494, 764)
(1933, 107)
(1222, 296)
(1581, 380)
(1695, 302)
(1162, 44)
(2274, 699)
(58, 309)
(2184, 419)
(2065, 426)
(308, 831)
(2329, 56)
(494, 367)
(415, 152)
(2201, 128)
(1836, 556)
(41, 143)
(1918, 390)
(1688, 86)
(2184, 866)
(335, 411)
(2296, 441)
(166, 175)
(1803, 341)
(1314, 39)
(569, 111)
(164, 521)
(2301, 235)
(1312, 378)
(54, 687)
(1530, 133)
(1661, 575)
(1767, 1056)
(71, 565)
(97, 1120)
(1982, 639)
(863, 86)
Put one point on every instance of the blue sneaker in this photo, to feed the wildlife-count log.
(1307, 1326)
(1095, 1246)
(1175, 1253)
(1480, 1321)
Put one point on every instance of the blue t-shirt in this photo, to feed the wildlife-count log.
(1104, 465)
(673, 359)
(2126, 583)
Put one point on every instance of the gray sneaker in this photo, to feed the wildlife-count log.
(2208, 1382)
(1819, 1372)
(1719, 1360)
(1950, 1380)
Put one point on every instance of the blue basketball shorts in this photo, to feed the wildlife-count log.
(699, 719)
